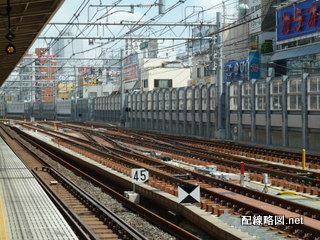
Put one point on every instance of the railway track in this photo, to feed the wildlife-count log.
(282, 155)
(304, 177)
(88, 218)
(97, 221)
(66, 160)
(210, 188)
(292, 157)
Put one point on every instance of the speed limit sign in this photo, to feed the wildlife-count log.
(139, 175)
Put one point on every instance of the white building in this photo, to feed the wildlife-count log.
(161, 73)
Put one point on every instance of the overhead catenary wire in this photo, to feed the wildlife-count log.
(179, 44)
(175, 5)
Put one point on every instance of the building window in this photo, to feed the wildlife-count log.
(294, 94)
(160, 100)
(246, 96)
(314, 93)
(198, 72)
(189, 99)
(260, 96)
(212, 98)
(276, 95)
(145, 83)
(149, 101)
(163, 83)
(234, 97)
(181, 100)
(204, 93)
(207, 71)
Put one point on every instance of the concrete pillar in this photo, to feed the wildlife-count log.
(152, 110)
(163, 111)
(157, 110)
(253, 111)
(141, 109)
(185, 111)
(135, 102)
(177, 111)
(201, 89)
(209, 103)
(228, 132)
(170, 110)
(304, 111)
(193, 106)
(239, 112)
(268, 111)
(285, 141)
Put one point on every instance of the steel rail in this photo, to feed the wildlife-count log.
(119, 226)
(88, 171)
(119, 154)
(244, 207)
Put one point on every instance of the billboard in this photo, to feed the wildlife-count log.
(254, 64)
(298, 20)
(131, 68)
(254, 11)
(130, 72)
(236, 70)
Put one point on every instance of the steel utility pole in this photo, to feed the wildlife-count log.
(122, 94)
(219, 130)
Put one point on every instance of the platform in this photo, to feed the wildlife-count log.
(26, 212)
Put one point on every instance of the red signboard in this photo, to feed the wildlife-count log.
(298, 19)
(130, 72)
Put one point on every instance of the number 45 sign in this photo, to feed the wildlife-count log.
(139, 175)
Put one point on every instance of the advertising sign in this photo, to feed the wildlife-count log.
(298, 20)
(130, 72)
(254, 64)
(130, 69)
(254, 11)
(236, 70)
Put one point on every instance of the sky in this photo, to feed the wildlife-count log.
(95, 14)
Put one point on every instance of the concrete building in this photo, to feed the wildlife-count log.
(204, 64)
(91, 82)
(161, 73)
(45, 76)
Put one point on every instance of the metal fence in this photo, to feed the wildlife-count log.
(279, 111)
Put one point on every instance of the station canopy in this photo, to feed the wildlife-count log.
(28, 18)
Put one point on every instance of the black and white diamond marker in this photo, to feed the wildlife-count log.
(189, 194)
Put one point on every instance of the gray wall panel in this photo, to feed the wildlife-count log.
(294, 121)
(204, 117)
(276, 120)
(212, 118)
(314, 121)
(246, 118)
(261, 119)
(233, 118)
(189, 116)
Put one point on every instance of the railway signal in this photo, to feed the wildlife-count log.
(10, 49)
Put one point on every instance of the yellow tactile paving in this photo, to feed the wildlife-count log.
(3, 227)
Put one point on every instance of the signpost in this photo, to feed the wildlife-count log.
(139, 175)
